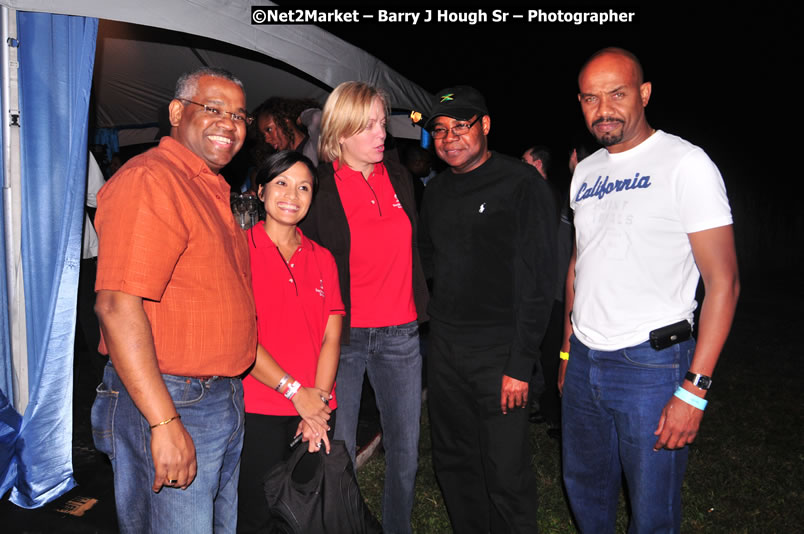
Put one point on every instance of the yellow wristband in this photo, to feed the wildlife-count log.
(563, 355)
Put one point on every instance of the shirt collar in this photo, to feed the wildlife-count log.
(345, 172)
(260, 239)
(195, 165)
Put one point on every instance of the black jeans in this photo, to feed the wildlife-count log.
(266, 443)
(549, 401)
(481, 457)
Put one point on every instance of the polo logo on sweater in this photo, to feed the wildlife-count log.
(601, 189)
(482, 208)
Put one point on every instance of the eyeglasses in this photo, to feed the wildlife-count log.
(458, 130)
(218, 113)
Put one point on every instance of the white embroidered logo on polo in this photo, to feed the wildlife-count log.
(482, 208)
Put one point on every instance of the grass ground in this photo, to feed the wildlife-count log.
(746, 469)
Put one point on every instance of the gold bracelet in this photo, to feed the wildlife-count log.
(563, 355)
(166, 421)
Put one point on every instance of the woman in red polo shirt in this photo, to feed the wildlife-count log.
(299, 315)
(365, 214)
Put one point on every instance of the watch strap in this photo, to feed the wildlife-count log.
(699, 381)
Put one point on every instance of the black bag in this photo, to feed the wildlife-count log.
(317, 494)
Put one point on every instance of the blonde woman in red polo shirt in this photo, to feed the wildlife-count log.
(299, 315)
(365, 214)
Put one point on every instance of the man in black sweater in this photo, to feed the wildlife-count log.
(487, 240)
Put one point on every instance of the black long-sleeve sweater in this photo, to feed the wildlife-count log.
(487, 239)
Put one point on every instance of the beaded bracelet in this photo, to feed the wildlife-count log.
(282, 382)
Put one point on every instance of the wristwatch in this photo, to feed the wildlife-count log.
(699, 381)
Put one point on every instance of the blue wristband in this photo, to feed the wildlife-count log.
(689, 398)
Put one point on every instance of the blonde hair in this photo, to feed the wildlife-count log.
(346, 113)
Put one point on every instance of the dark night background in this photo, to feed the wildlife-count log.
(721, 79)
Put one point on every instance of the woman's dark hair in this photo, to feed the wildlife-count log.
(279, 162)
(285, 111)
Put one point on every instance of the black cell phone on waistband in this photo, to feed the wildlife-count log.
(669, 335)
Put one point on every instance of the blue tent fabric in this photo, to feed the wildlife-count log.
(10, 422)
(56, 58)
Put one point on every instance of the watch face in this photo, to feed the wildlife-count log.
(700, 381)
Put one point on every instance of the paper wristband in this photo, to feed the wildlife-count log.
(292, 390)
(689, 398)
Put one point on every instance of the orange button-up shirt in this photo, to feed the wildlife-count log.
(167, 234)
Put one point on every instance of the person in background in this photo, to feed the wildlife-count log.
(365, 214)
(114, 164)
(94, 363)
(420, 162)
(290, 124)
(547, 406)
(538, 156)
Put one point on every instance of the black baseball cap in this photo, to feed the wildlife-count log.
(460, 102)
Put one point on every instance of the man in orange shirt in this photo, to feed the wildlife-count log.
(177, 319)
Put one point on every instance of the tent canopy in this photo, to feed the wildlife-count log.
(140, 54)
(137, 66)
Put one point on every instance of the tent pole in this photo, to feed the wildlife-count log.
(6, 137)
(12, 203)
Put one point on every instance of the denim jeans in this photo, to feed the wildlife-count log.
(392, 359)
(610, 409)
(212, 412)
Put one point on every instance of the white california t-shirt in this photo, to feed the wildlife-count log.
(634, 270)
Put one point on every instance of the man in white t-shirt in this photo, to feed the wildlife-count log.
(651, 216)
(89, 363)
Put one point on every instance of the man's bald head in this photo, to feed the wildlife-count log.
(639, 76)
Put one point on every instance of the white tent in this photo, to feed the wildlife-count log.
(311, 50)
(136, 69)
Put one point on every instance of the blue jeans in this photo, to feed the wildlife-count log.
(610, 409)
(392, 359)
(212, 412)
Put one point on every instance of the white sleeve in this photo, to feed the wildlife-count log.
(701, 194)
(94, 181)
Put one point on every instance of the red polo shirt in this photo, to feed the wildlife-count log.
(381, 253)
(294, 301)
